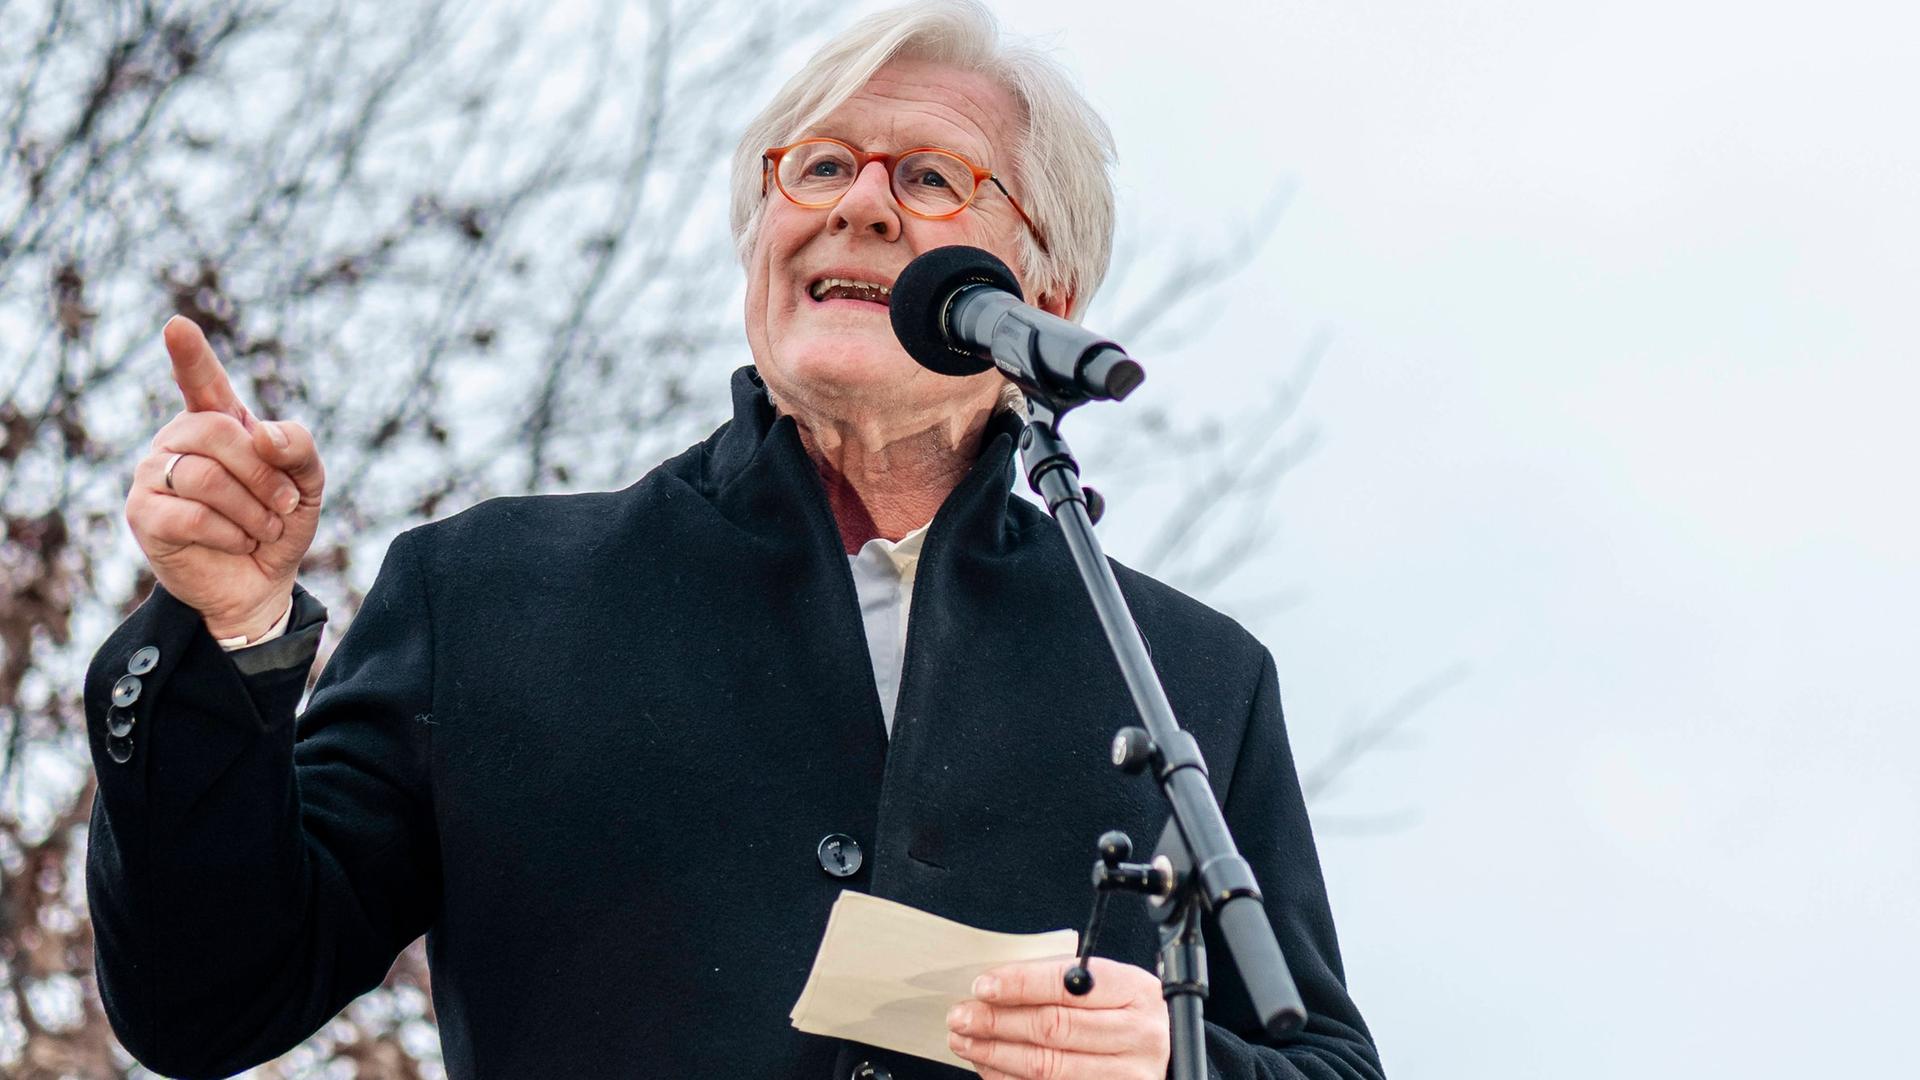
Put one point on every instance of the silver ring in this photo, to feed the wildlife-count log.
(168, 475)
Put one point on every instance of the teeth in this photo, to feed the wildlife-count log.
(820, 287)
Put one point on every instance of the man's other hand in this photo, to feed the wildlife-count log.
(1023, 1025)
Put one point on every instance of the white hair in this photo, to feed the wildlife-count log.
(1061, 158)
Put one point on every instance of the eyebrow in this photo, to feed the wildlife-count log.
(964, 151)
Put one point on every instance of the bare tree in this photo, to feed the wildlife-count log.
(477, 251)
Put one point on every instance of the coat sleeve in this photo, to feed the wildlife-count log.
(248, 874)
(1268, 815)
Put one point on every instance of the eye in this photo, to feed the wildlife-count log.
(824, 167)
(931, 178)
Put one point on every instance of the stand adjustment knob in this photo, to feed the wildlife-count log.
(1079, 980)
(1133, 750)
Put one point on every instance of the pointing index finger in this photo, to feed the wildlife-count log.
(198, 372)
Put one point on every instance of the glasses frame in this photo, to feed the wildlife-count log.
(770, 177)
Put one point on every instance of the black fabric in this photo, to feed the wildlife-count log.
(588, 745)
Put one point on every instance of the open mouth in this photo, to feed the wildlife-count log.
(838, 288)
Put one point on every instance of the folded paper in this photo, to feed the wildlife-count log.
(886, 974)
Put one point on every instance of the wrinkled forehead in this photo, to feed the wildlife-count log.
(911, 102)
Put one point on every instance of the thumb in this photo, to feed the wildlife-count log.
(289, 447)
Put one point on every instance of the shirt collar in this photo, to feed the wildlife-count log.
(903, 553)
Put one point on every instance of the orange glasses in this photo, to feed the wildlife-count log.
(927, 181)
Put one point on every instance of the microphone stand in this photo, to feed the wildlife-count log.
(1196, 870)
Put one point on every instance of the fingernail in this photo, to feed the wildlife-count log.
(957, 1018)
(274, 433)
(275, 529)
(960, 1043)
(985, 987)
(289, 499)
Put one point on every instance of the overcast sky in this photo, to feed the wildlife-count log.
(1616, 415)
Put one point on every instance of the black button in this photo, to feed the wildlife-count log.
(120, 748)
(867, 1070)
(126, 691)
(839, 855)
(143, 661)
(119, 722)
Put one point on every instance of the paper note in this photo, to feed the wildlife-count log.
(886, 974)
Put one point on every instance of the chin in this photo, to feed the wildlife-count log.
(842, 366)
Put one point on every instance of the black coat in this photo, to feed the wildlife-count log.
(588, 745)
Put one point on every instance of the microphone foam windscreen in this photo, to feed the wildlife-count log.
(918, 306)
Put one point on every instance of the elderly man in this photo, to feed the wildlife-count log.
(616, 754)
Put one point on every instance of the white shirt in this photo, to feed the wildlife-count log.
(882, 579)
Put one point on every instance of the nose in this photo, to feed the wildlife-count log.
(868, 205)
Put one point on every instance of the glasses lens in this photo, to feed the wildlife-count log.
(934, 183)
(816, 173)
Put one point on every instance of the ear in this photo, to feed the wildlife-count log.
(1054, 305)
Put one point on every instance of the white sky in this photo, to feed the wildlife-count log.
(1616, 414)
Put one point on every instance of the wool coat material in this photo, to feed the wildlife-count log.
(588, 744)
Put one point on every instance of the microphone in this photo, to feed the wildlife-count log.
(959, 311)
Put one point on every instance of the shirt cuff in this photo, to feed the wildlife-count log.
(293, 650)
(279, 627)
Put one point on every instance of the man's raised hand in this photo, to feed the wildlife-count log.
(226, 536)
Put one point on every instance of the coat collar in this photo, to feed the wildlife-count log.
(757, 473)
